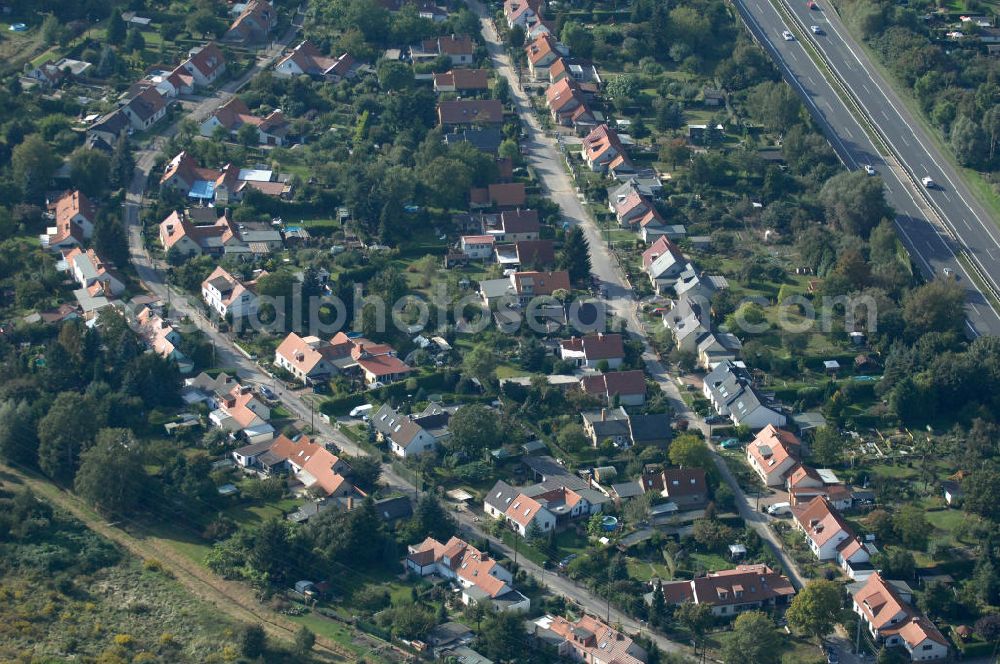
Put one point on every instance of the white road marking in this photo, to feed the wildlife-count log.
(990, 252)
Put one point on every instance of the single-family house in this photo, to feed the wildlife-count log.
(499, 195)
(688, 322)
(607, 424)
(687, 488)
(826, 530)
(409, 436)
(732, 394)
(663, 260)
(307, 60)
(481, 579)
(717, 347)
(542, 52)
(522, 12)
(513, 225)
(732, 591)
(74, 217)
(603, 151)
(462, 80)
(145, 109)
(163, 338)
(378, 363)
(205, 64)
(479, 247)
(589, 640)
(627, 388)
(887, 612)
(564, 100)
(773, 454)
(253, 24)
(110, 127)
(240, 411)
(581, 71)
(470, 112)
(459, 49)
(529, 285)
(589, 351)
(234, 114)
(228, 296)
(308, 359)
(93, 274)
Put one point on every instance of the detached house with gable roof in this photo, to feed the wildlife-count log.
(522, 12)
(93, 274)
(591, 350)
(732, 394)
(205, 64)
(773, 454)
(663, 262)
(482, 579)
(307, 60)
(831, 538)
(233, 114)
(74, 216)
(588, 640)
(887, 612)
(163, 338)
(239, 411)
(470, 113)
(732, 591)
(145, 109)
(629, 387)
(409, 436)
(228, 296)
(460, 49)
(309, 359)
(253, 24)
(542, 52)
(604, 153)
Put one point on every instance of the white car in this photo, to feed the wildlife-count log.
(816, 30)
(788, 36)
(869, 169)
(927, 182)
(949, 272)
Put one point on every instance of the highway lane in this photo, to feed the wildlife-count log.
(967, 216)
(929, 243)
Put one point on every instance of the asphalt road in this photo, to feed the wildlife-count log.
(930, 243)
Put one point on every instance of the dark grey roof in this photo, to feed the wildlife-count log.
(392, 509)
(545, 466)
(533, 446)
(254, 449)
(646, 428)
(500, 496)
(627, 489)
(113, 123)
(610, 429)
(487, 140)
(447, 633)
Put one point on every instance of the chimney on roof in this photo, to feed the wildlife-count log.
(604, 414)
(350, 503)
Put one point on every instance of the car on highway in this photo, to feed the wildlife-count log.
(816, 30)
(950, 273)
(787, 35)
(812, 5)
(869, 169)
(928, 182)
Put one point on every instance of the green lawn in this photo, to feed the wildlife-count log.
(641, 570)
(330, 629)
(712, 562)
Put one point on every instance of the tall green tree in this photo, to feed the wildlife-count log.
(827, 446)
(854, 202)
(753, 640)
(574, 257)
(33, 164)
(64, 432)
(18, 435)
(111, 475)
(690, 451)
(111, 240)
(474, 429)
(814, 610)
(115, 33)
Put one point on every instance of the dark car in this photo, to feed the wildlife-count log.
(716, 419)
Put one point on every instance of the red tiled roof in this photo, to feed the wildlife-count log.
(615, 382)
(597, 346)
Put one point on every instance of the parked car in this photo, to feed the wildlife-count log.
(716, 419)
(268, 393)
(729, 443)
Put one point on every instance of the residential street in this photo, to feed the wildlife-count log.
(547, 161)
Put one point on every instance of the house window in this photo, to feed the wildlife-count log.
(928, 647)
